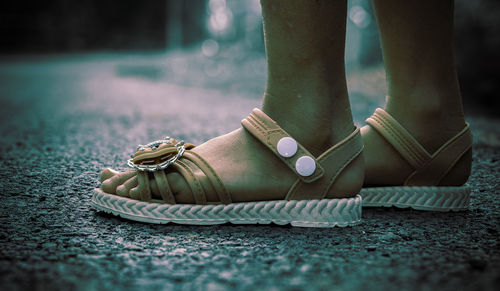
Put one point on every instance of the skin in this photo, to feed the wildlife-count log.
(422, 84)
(306, 94)
(417, 44)
(306, 82)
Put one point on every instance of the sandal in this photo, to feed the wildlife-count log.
(306, 203)
(422, 189)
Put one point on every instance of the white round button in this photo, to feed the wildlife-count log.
(287, 147)
(305, 166)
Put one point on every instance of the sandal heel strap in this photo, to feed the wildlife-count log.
(430, 169)
(443, 160)
(399, 138)
(270, 134)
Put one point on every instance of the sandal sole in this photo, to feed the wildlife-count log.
(303, 213)
(429, 198)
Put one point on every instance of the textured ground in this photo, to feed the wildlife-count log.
(65, 118)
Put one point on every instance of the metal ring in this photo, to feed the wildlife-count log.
(163, 165)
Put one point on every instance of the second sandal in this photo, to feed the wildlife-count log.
(429, 186)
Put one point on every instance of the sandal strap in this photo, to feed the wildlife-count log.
(164, 187)
(443, 160)
(189, 166)
(399, 138)
(210, 174)
(192, 181)
(143, 186)
(429, 169)
(185, 167)
(334, 161)
(270, 134)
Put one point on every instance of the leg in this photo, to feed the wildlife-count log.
(417, 42)
(423, 89)
(306, 88)
(306, 94)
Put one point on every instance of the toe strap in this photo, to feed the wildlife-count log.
(192, 181)
(211, 175)
(164, 187)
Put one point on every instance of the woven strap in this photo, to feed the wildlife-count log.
(270, 133)
(429, 168)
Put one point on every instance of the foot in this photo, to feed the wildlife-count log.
(386, 167)
(247, 168)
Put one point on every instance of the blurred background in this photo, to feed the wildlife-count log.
(221, 36)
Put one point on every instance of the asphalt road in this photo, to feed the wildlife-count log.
(64, 118)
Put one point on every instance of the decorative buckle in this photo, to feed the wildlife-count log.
(163, 165)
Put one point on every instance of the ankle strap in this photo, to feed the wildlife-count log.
(328, 166)
(273, 137)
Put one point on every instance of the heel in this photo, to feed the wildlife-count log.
(350, 180)
(459, 174)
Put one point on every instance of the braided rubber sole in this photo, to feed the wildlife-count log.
(304, 213)
(418, 197)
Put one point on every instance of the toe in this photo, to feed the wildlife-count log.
(135, 193)
(108, 173)
(110, 185)
(124, 189)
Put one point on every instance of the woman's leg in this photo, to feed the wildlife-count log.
(306, 88)
(423, 90)
(306, 95)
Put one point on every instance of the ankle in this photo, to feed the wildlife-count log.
(317, 127)
(432, 121)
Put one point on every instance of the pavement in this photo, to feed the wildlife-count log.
(66, 117)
